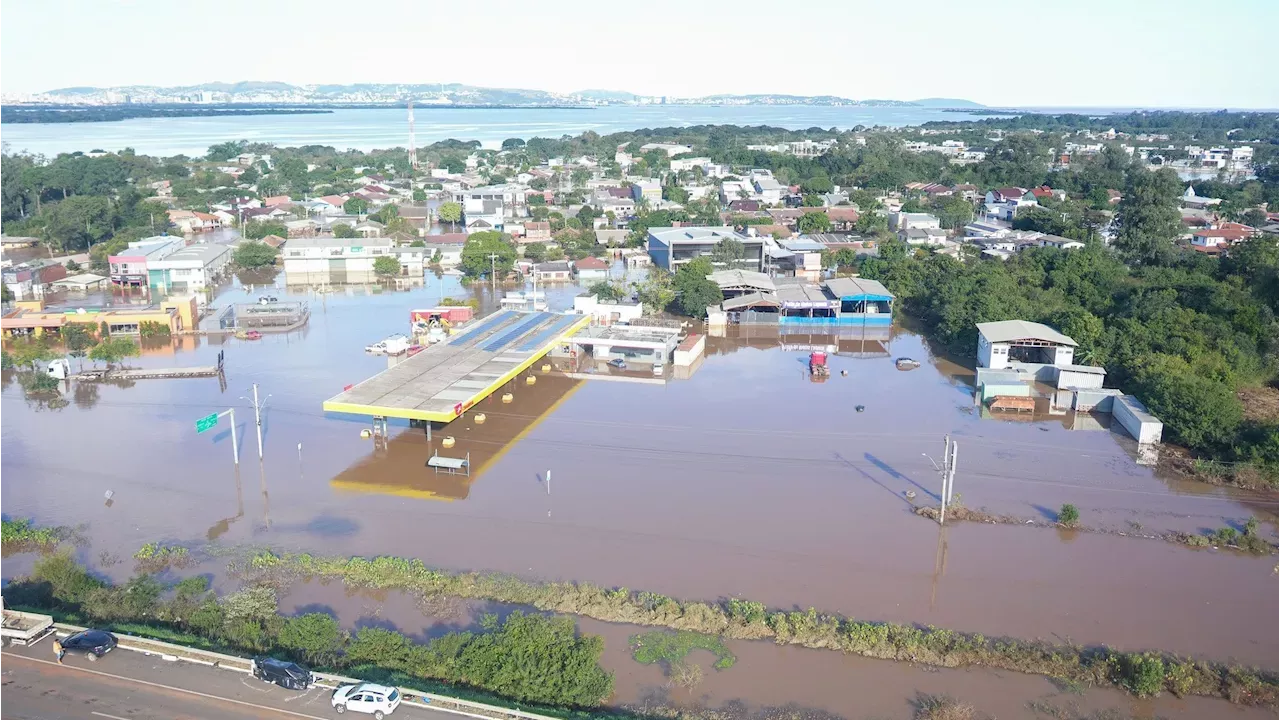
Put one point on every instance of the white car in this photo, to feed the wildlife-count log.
(377, 700)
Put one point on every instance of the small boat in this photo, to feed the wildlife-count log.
(906, 363)
(248, 335)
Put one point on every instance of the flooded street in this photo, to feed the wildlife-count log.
(744, 480)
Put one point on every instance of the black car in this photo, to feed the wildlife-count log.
(92, 643)
(282, 672)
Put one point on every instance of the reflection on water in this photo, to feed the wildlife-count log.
(400, 468)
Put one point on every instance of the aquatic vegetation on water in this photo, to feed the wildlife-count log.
(749, 620)
(155, 557)
(671, 649)
(22, 535)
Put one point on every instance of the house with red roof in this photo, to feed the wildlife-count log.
(1224, 234)
(591, 268)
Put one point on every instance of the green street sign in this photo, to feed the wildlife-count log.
(206, 422)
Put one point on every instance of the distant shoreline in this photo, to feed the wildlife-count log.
(61, 114)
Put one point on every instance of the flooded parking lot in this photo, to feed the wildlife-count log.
(744, 480)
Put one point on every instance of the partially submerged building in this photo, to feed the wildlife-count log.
(1022, 341)
(754, 298)
(1024, 360)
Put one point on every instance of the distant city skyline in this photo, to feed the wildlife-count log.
(1085, 54)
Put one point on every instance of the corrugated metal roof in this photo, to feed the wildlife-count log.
(857, 287)
(1010, 330)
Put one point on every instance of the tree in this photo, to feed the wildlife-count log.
(76, 223)
(535, 252)
(814, 222)
(254, 255)
(78, 339)
(113, 350)
(386, 266)
(607, 291)
(512, 144)
(476, 260)
(345, 230)
(450, 212)
(1148, 216)
(656, 291)
(728, 252)
(871, 223)
(695, 293)
(226, 151)
(29, 353)
(419, 195)
(812, 200)
(1198, 411)
(817, 184)
(355, 206)
(259, 229)
(956, 212)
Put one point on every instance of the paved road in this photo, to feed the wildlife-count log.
(127, 685)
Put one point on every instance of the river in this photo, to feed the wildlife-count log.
(382, 128)
(745, 480)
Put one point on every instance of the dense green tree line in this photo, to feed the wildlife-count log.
(1183, 333)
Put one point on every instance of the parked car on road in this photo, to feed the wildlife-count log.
(286, 674)
(93, 644)
(618, 363)
(376, 700)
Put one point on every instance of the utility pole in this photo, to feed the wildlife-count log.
(945, 472)
(493, 272)
(258, 407)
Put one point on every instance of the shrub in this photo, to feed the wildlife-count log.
(38, 383)
(938, 707)
(149, 329)
(313, 638)
(1068, 515)
(1140, 673)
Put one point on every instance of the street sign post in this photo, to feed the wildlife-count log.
(207, 422)
(210, 420)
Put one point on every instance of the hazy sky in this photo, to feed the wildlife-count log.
(1156, 53)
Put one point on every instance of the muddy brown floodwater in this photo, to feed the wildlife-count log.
(745, 480)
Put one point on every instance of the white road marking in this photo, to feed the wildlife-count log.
(109, 717)
(73, 668)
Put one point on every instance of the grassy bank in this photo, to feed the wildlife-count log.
(1143, 674)
(1246, 540)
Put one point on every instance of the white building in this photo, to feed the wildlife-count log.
(669, 148)
(1022, 341)
(607, 312)
(646, 189)
(690, 163)
(191, 268)
(333, 260)
(913, 221)
(768, 188)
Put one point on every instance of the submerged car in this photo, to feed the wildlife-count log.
(618, 363)
(376, 700)
(286, 674)
(93, 644)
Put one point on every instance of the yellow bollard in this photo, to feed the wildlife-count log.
(546, 367)
(508, 397)
(530, 380)
(366, 433)
(447, 441)
(480, 419)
